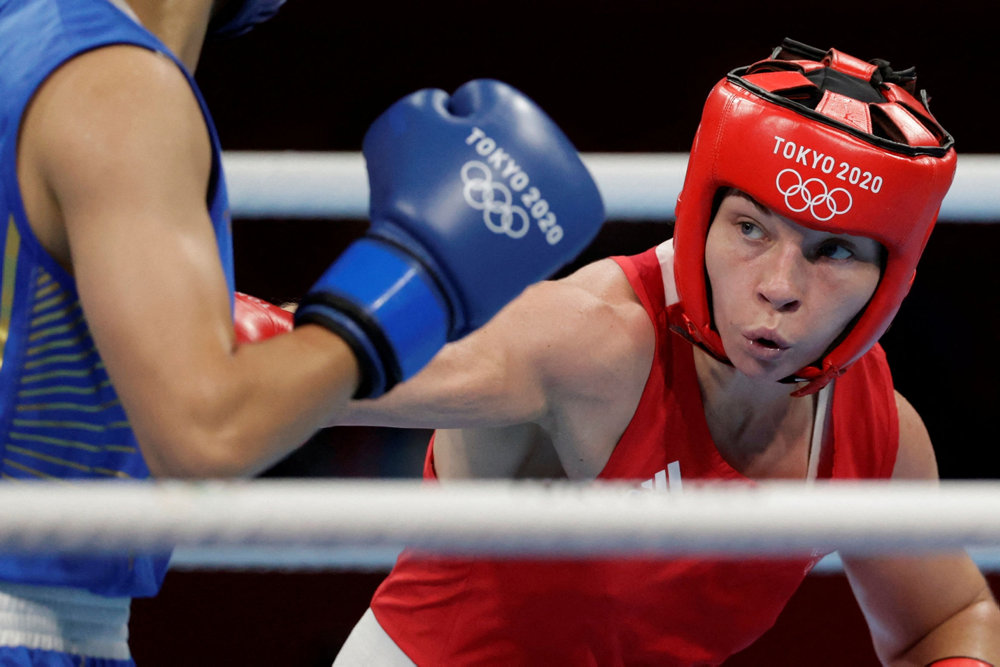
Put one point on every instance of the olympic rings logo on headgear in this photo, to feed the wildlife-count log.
(813, 194)
(494, 199)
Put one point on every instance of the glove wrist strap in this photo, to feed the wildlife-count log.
(386, 307)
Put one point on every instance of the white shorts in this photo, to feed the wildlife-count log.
(368, 644)
(67, 620)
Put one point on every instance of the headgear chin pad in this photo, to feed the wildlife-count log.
(835, 144)
(237, 17)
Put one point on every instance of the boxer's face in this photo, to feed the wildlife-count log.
(781, 292)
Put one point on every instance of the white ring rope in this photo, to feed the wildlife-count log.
(504, 518)
(635, 186)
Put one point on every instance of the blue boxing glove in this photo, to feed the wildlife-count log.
(474, 197)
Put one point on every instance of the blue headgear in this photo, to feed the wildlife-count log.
(239, 16)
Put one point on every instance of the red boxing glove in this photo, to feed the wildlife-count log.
(959, 662)
(256, 320)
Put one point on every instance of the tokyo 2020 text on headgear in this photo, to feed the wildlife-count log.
(239, 16)
(836, 144)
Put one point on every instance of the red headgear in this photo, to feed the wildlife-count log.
(834, 143)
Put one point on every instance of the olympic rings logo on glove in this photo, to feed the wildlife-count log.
(812, 194)
(494, 199)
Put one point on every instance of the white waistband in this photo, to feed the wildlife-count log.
(369, 644)
(68, 620)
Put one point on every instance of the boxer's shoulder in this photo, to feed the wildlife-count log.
(591, 329)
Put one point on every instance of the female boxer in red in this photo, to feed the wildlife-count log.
(743, 349)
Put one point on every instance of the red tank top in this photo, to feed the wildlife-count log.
(633, 612)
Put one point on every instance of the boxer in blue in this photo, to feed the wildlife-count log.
(120, 358)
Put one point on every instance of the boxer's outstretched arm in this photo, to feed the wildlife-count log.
(562, 345)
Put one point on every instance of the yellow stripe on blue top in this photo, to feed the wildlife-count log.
(11, 250)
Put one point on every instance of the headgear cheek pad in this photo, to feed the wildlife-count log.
(237, 17)
(835, 144)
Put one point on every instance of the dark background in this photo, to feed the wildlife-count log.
(624, 76)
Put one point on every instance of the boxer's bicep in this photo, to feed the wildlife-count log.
(128, 161)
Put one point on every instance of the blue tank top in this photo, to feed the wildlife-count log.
(61, 417)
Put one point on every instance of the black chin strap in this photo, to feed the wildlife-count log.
(686, 335)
